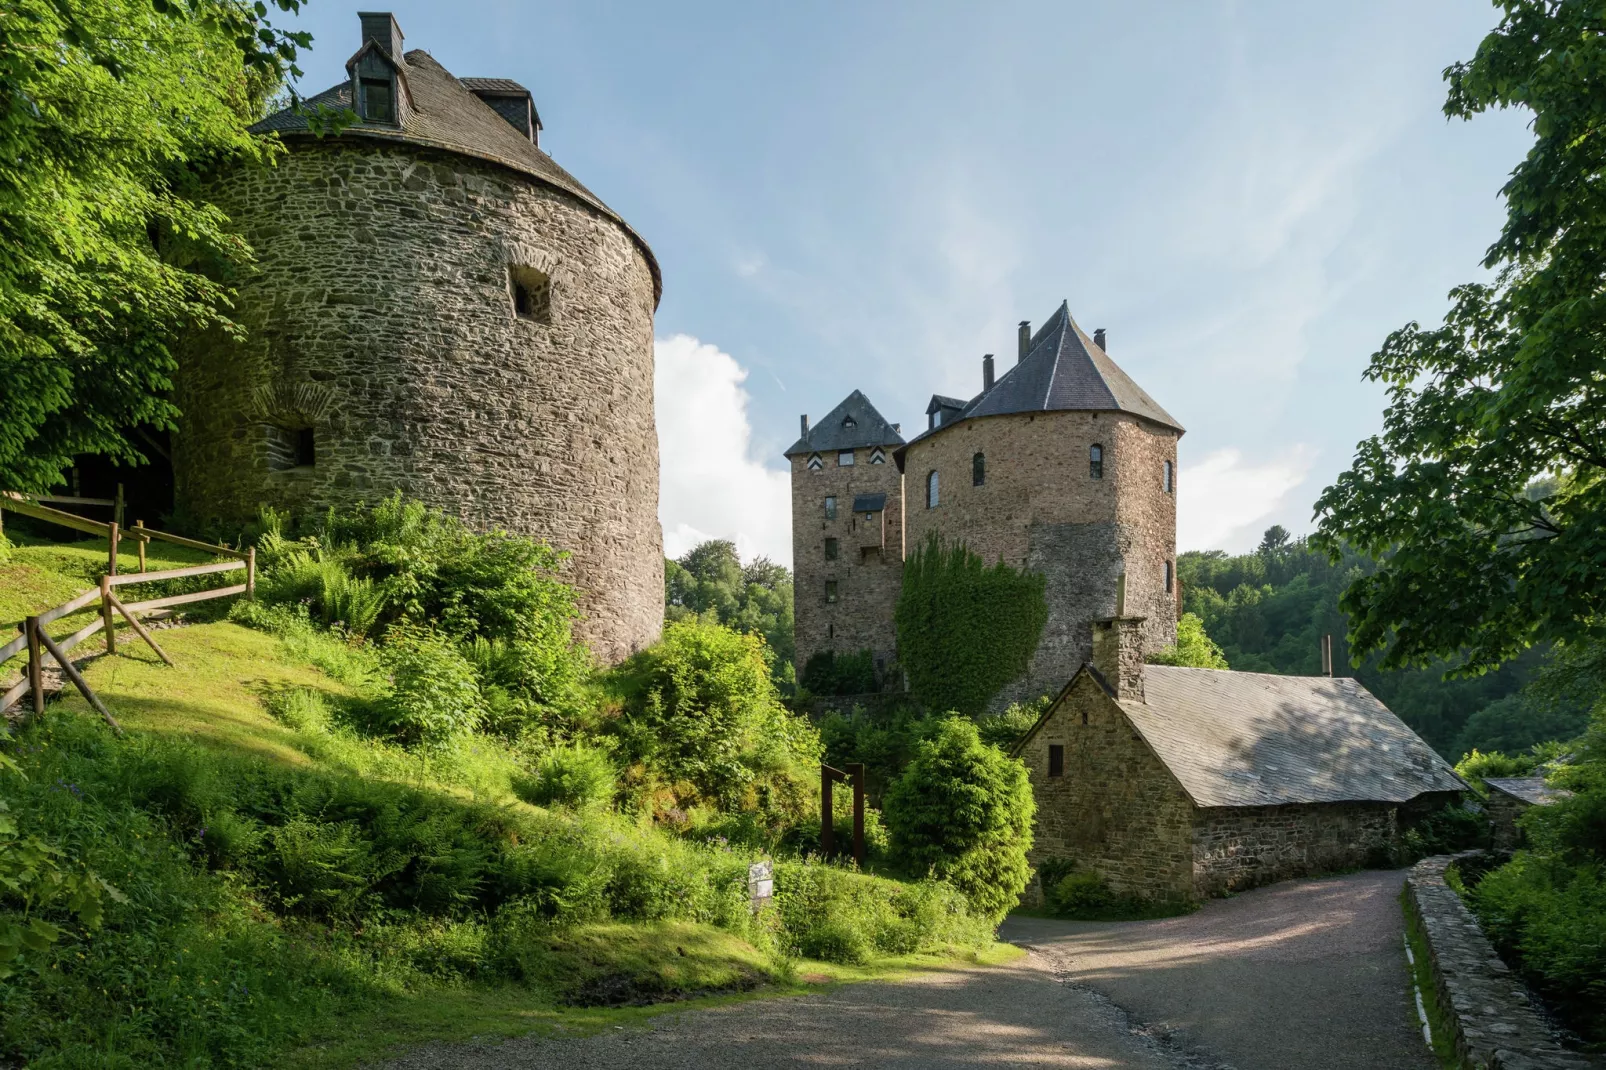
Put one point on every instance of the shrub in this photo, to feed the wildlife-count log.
(699, 707)
(1193, 647)
(963, 812)
(840, 916)
(434, 693)
(1444, 831)
(965, 630)
(1080, 894)
(577, 776)
(829, 673)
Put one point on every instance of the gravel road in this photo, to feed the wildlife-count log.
(1303, 975)
(1298, 976)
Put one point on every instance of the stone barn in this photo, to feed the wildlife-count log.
(1179, 783)
(1510, 798)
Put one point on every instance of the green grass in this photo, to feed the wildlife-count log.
(1422, 974)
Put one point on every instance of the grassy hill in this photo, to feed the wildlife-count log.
(286, 888)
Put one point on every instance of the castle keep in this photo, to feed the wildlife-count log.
(438, 308)
(1061, 465)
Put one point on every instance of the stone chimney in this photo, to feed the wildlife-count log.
(1098, 339)
(1025, 339)
(987, 372)
(1118, 649)
(381, 26)
(804, 421)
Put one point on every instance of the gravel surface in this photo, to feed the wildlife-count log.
(1303, 974)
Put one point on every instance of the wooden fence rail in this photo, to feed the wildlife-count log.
(38, 643)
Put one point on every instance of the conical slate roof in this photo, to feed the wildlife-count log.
(854, 424)
(446, 115)
(1063, 370)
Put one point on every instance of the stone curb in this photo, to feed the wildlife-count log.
(1495, 1023)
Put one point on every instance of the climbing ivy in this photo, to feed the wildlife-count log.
(964, 629)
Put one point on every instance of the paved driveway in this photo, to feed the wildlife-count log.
(1304, 974)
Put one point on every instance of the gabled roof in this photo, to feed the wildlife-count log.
(1530, 789)
(1258, 739)
(852, 425)
(1063, 370)
(445, 114)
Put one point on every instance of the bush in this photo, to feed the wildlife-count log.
(1193, 647)
(965, 630)
(829, 673)
(577, 776)
(699, 707)
(839, 916)
(1444, 831)
(434, 692)
(962, 811)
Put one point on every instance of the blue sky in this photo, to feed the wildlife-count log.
(1248, 196)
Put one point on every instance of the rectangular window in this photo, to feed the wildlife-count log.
(830, 590)
(532, 293)
(844, 459)
(1056, 759)
(1170, 576)
(830, 507)
(830, 549)
(378, 102)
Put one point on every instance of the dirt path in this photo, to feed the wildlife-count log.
(1297, 976)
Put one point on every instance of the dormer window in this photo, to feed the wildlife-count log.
(378, 100)
(849, 422)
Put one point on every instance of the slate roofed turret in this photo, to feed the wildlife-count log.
(854, 424)
(1063, 369)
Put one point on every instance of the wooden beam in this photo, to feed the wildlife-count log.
(69, 607)
(181, 599)
(133, 622)
(175, 573)
(106, 614)
(193, 544)
(78, 681)
(36, 681)
(21, 505)
(80, 635)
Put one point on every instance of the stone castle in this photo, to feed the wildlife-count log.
(1062, 465)
(437, 308)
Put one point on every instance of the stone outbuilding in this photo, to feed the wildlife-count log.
(1510, 798)
(1180, 783)
(437, 308)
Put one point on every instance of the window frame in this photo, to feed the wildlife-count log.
(1095, 461)
(1170, 576)
(841, 454)
(978, 469)
(388, 87)
(1168, 478)
(830, 507)
(933, 489)
(832, 549)
(1056, 759)
(833, 594)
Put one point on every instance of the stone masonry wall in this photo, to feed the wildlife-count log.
(1503, 811)
(1039, 507)
(1241, 847)
(382, 318)
(868, 569)
(1116, 809)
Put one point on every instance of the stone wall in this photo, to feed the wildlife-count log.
(1040, 508)
(1503, 811)
(1495, 1021)
(381, 317)
(1241, 847)
(1116, 809)
(868, 567)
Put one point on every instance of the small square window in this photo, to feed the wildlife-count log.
(830, 507)
(844, 459)
(830, 590)
(291, 447)
(830, 549)
(378, 101)
(1056, 759)
(532, 293)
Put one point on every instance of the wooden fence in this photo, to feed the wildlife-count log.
(39, 644)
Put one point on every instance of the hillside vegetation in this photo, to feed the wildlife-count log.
(393, 800)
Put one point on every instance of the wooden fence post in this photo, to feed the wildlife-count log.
(251, 572)
(142, 540)
(117, 506)
(106, 614)
(827, 832)
(36, 676)
(856, 771)
(112, 532)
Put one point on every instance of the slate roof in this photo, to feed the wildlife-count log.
(445, 114)
(1529, 789)
(493, 85)
(1063, 370)
(1257, 739)
(833, 430)
(869, 503)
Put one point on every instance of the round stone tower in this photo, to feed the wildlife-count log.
(437, 308)
(1065, 466)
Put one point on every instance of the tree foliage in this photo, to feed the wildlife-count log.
(110, 112)
(710, 580)
(965, 630)
(962, 810)
(1193, 647)
(1484, 497)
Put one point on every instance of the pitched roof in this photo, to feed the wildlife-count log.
(853, 424)
(1257, 739)
(445, 114)
(1530, 789)
(1063, 370)
(493, 85)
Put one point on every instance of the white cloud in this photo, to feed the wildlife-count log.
(1222, 502)
(710, 485)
